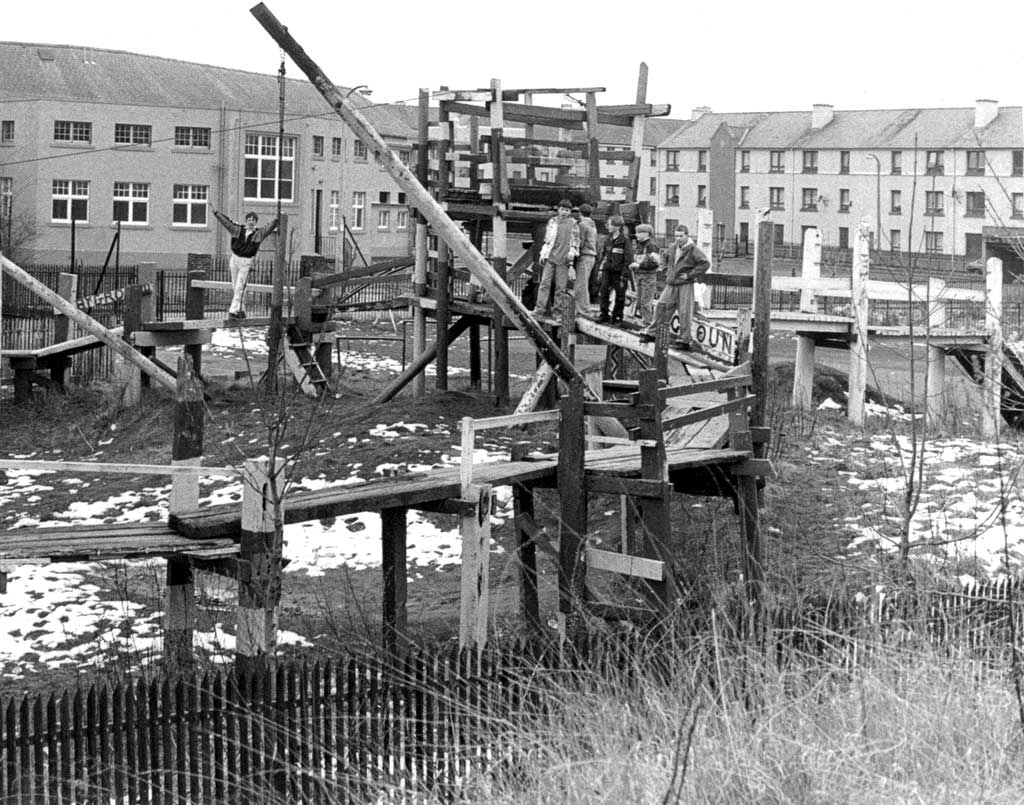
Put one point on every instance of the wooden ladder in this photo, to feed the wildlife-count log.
(300, 358)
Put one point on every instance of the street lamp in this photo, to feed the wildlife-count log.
(878, 201)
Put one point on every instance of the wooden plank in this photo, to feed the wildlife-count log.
(572, 512)
(721, 384)
(567, 145)
(707, 413)
(618, 410)
(115, 469)
(394, 538)
(145, 338)
(635, 566)
(637, 487)
(756, 467)
(515, 420)
(474, 596)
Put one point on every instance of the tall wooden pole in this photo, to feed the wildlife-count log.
(275, 334)
(418, 195)
(443, 273)
(499, 240)
(992, 411)
(859, 344)
(762, 320)
(419, 278)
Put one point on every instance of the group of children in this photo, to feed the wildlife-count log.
(569, 255)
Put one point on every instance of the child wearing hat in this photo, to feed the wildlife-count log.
(646, 262)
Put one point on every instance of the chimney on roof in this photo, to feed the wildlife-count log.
(985, 111)
(821, 115)
(699, 112)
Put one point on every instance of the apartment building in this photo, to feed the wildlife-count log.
(99, 137)
(935, 179)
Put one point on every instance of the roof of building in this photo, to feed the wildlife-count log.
(91, 75)
(853, 129)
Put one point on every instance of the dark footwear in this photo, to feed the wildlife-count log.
(233, 315)
(241, 314)
(603, 319)
(648, 337)
(682, 346)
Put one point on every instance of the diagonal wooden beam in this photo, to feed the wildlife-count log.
(418, 195)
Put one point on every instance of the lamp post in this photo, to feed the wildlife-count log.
(878, 201)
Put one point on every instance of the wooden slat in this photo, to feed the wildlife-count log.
(707, 413)
(637, 487)
(618, 410)
(513, 420)
(758, 467)
(635, 566)
(706, 385)
(115, 469)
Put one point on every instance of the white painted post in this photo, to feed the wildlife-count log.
(706, 243)
(992, 410)
(935, 378)
(803, 373)
(859, 344)
(475, 530)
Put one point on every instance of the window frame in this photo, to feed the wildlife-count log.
(401, 220)
(384, 220)
(133, 134)
(194, 138)
(895, 163)
(845, 202)
(971, 208)
(360, 153)
(744, 197)
(702, 160)
(78, 132)
(197, 196)
(318, 146)
(895, 209)
(1017, 205)
(133, 190)
(935, 163)
(977, 157)
(358, 210)
(931, 208)
(73, 193)
(702, 196)
(672, 159)
(7, 131)
(810, 161)
(933, 241)
(265, 153)
(337, 148)
(844, 162)
(777, 198)
(671, 198)
(809, 199)
(745, 161)
(776, 162)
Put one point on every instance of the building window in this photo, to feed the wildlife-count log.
(775, 198)
(702, 195)
(809, 199)
(744, 197)
(670, 228)
(895, 236)
(810, 161)
(358, 209)
(70, 131)
(934, 163)
(932, 242)
(777, 163)
(7, 131)
(654, 158)
(334, 211)
(672, 194)
(132, 134)
(896, 163)
(191, 137)
(844, 161)
(1017, 199)
(975, 205)
(779, 235)
(401, 220)
(844, 237)
(383, 219)
(702, 161)
(1018, 163)
(70, 200)
(7, 198)
(401, 198)
(131, 202)
(895, 202)
(844, 199)
(335, 147)
(359, 150)
(261, 155)
(190, 204)
(384, 197)
(318, 146)
(671, 160)
(975, 163)
(654, 185)
(404, 156)
(933, 202)
(744, 162)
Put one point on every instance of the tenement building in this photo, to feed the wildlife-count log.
(99, 138)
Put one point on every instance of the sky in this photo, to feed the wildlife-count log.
(740, 56)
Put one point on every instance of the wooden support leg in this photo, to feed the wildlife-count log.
(803, 374)
(195, 309)
(572, 571)
(180, 617)
(936, 383)
(24, 369)
(393, 554)
(259, 577)
(523, 508)
(476, 550)
(750, 531)
(475, 372)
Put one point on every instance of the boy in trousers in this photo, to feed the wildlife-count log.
(615, 259)
(585, 262)
(685, 264)
(561, 246)
(245, 243)
(646, 262)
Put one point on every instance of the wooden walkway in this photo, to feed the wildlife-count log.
(93, 543)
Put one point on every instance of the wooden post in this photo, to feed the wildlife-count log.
(572, 526)
(419, 277)
(526, 546)
(147, 277)
(935, 378)
(393, 549)
(532, 396)
(859, 337)
(419, 196)
(992, 411)
(259, 565)
(474, 599)
(128, 373)
(87, 323)
(186, 449)
(636, 140)
(67, 287)
(195, 309)
(442, 318)
(655, 513)
(499, 242)
(762, 316)
(803, 374)
(594, 150)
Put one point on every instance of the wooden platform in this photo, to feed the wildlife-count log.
(63, 349)
(87, 543)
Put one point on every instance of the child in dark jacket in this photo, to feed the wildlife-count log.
(615, 260)
(646, 262)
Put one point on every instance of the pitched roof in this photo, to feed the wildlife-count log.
(72, 73)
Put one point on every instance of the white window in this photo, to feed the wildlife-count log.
(131, 202)
(70, 131)
(318, 146)
(70, 200)
(335, 147)
(191, 137)
(261, 156)
(359, 150)
(7, 197)
(401, 219)
(334, 211)
(403, 155)
(358, 209)
(7, 131)
(132, 134)
(383, 219)
(190, 204)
